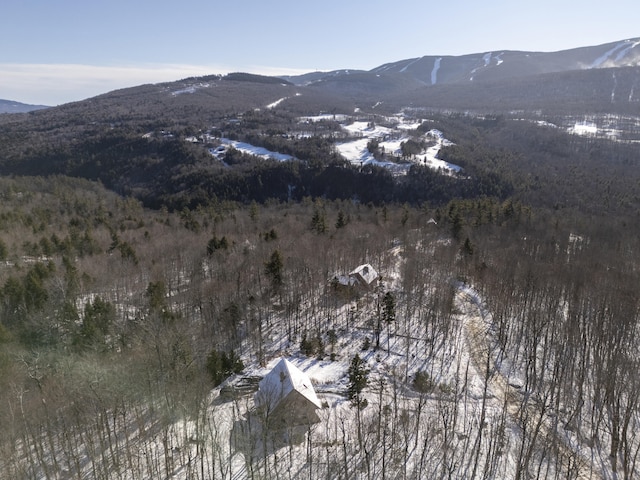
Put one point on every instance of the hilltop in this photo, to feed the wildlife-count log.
(8, 106)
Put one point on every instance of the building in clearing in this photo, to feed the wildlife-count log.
(363, 279)
(286, 397)
(365, 276)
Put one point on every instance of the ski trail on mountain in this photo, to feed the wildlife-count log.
(434, 72)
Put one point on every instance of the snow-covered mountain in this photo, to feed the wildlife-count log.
(601, 78)
(433, 70)
(503, 64)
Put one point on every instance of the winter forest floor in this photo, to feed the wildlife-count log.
(499, 362)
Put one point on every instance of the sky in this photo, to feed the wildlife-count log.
(53, 52)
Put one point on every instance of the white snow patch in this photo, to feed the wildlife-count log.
(390, 142)
(184, 90)
(624, 47)
(276, 103)
(190, 89)
(257, 151)
(324, 116)
(408, 125)
(434, 72)
(404, 69)
(368, 129)
(430, 158)
(584, 128)
(624, 52)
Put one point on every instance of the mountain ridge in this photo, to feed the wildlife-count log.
(11, 106)
(438, 69)
(408, 78)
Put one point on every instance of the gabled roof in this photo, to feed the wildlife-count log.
(367, 272)
(283, 379)
(345, 280)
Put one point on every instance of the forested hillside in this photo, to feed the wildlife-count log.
(112, 314)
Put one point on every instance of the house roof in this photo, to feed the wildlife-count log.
(345, 280)
(367, 272)
(284, 378)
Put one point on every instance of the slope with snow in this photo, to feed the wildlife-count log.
(470, 418)
(434, 71)
(608, 59)
(190, 89)
(390, 141)
(273, 105)
(250, 150)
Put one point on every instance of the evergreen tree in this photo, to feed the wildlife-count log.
(222, 365)
(358, 379)
(405, 215)
(4, 251)
(217, 244)
(319, 221)
(98, 317)
(342, 220)
(389, 307)
(156, 294)
(467, 247)
(273, 269)
(388, 312)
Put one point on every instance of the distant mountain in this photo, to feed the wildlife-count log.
(8, 106)
(487, 66)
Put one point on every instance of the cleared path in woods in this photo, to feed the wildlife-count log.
(571, 463)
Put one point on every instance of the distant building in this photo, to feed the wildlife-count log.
(286, 397)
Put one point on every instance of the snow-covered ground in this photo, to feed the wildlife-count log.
(190, 89)
(585, 128)
(474, 404)
(472, 417)
(324, 116)
(248, 149)
(279, 101)
(621, 49)
(390, 140)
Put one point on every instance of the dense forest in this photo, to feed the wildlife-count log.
(502, 157)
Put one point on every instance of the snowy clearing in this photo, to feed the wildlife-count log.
(390, 143)
(251, 150)
(190, 89)
(584, 128)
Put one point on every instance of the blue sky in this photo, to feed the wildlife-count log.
(65, 50)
